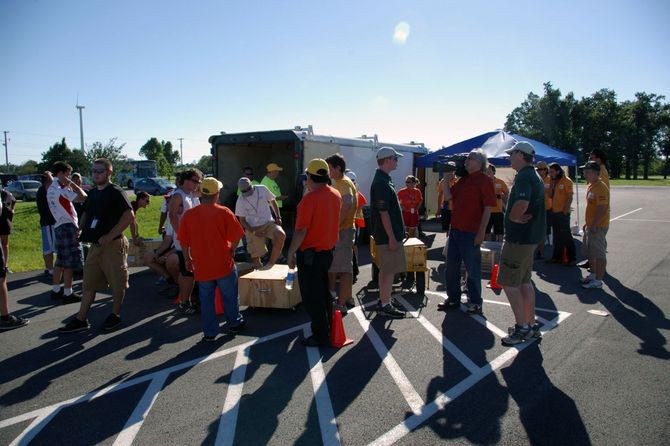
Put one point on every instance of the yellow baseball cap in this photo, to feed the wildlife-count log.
(210, 186)
(317, 167)
(273, 167)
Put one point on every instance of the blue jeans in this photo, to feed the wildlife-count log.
(231, 303)
(462, 249)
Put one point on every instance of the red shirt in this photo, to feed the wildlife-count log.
(319, 213)
(410, 199)
(471, 194)
(212, 232)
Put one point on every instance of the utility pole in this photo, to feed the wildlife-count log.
(81, 127)
(6, 152)
(181, 151)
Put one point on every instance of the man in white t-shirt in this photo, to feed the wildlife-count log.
(253, 209)
(69, 254)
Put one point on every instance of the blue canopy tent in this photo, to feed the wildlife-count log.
(494, 144)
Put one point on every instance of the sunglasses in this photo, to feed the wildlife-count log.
(98, 171)
(248, 189)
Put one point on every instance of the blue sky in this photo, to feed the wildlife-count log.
(191, 69)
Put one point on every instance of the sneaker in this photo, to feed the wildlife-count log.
(57, 295)
(74, 297)
(474, 309)
(535, 331)
(208, 339)
(448, 305)
(393, 301)
(74, 326)
(595, 283)
(236, 329)
(111, 322)
(187, 308)
(588, 278)
(343, 308)
(517, 336)
(391, 311)
(12, 322)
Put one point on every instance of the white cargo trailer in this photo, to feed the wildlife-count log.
(292, 150)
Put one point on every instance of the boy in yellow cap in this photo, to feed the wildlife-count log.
(268, 181)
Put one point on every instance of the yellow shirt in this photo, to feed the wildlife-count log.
(501, 189)
(597, 194)
(547, 192)
(604, 176)
(562, 192)
(346, 187)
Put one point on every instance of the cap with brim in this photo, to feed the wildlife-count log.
(522, 146)
(541, 165)
(591, 165)
(317, 167)
(351, 175)
(245, 185)
(387, 152)
(210, 186)
(273, 167)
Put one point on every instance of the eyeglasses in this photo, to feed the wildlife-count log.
(248, 189)
(98, 171)
(409, 182)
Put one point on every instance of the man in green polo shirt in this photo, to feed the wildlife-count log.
(525, 228)
(268, 181)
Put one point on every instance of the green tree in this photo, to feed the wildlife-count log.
(154, 150)
(204, 164)
(110, 151)
(643, 125)
(171, 156)
(58, 152)
(28, 168)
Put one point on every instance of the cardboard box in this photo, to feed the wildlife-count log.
(416, 255)
(136, 253)
(266, 289)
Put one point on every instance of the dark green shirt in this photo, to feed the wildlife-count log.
(527, 186)
(384, 198)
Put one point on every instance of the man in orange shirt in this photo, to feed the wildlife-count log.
(596, 223)
(542, 170)
(598, 156)
(410, 199)
(561, 200)
(208, 235)
(311, 249)
(496, 225)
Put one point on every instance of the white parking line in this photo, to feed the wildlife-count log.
(330, 436)
(623, 215)
(225, 435)
(136, 419)
(411, 395)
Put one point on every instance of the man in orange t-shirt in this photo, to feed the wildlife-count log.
(496, 226)
(596, 224)
(208, 235)
(410, 199)
(316, 229)
(561, 200)
(542, 170)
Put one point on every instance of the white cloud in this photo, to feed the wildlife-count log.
(401, 33)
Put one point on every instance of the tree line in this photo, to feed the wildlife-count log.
(634, 134)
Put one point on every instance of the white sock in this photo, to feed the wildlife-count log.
(55, 288)
(67, 291)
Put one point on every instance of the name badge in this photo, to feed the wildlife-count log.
(94, 223)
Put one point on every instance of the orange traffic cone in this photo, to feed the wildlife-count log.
(565, 256)
(218, 302)
(338, 338)
(493, 283)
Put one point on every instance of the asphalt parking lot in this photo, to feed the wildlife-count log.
(433, 377)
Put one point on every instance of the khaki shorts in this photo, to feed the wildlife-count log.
(595, 244)
(343, 254)
(255, 244)
(516, 263)
(106, 265)
(391, 262)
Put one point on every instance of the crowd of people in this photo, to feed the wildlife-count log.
(200, 236)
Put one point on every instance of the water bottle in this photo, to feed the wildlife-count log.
(290, 277)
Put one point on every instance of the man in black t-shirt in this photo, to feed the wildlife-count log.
(107, 213)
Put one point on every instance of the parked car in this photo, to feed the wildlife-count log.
(153, 186)
(23, 189)
(31, 177)
(7, 178)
